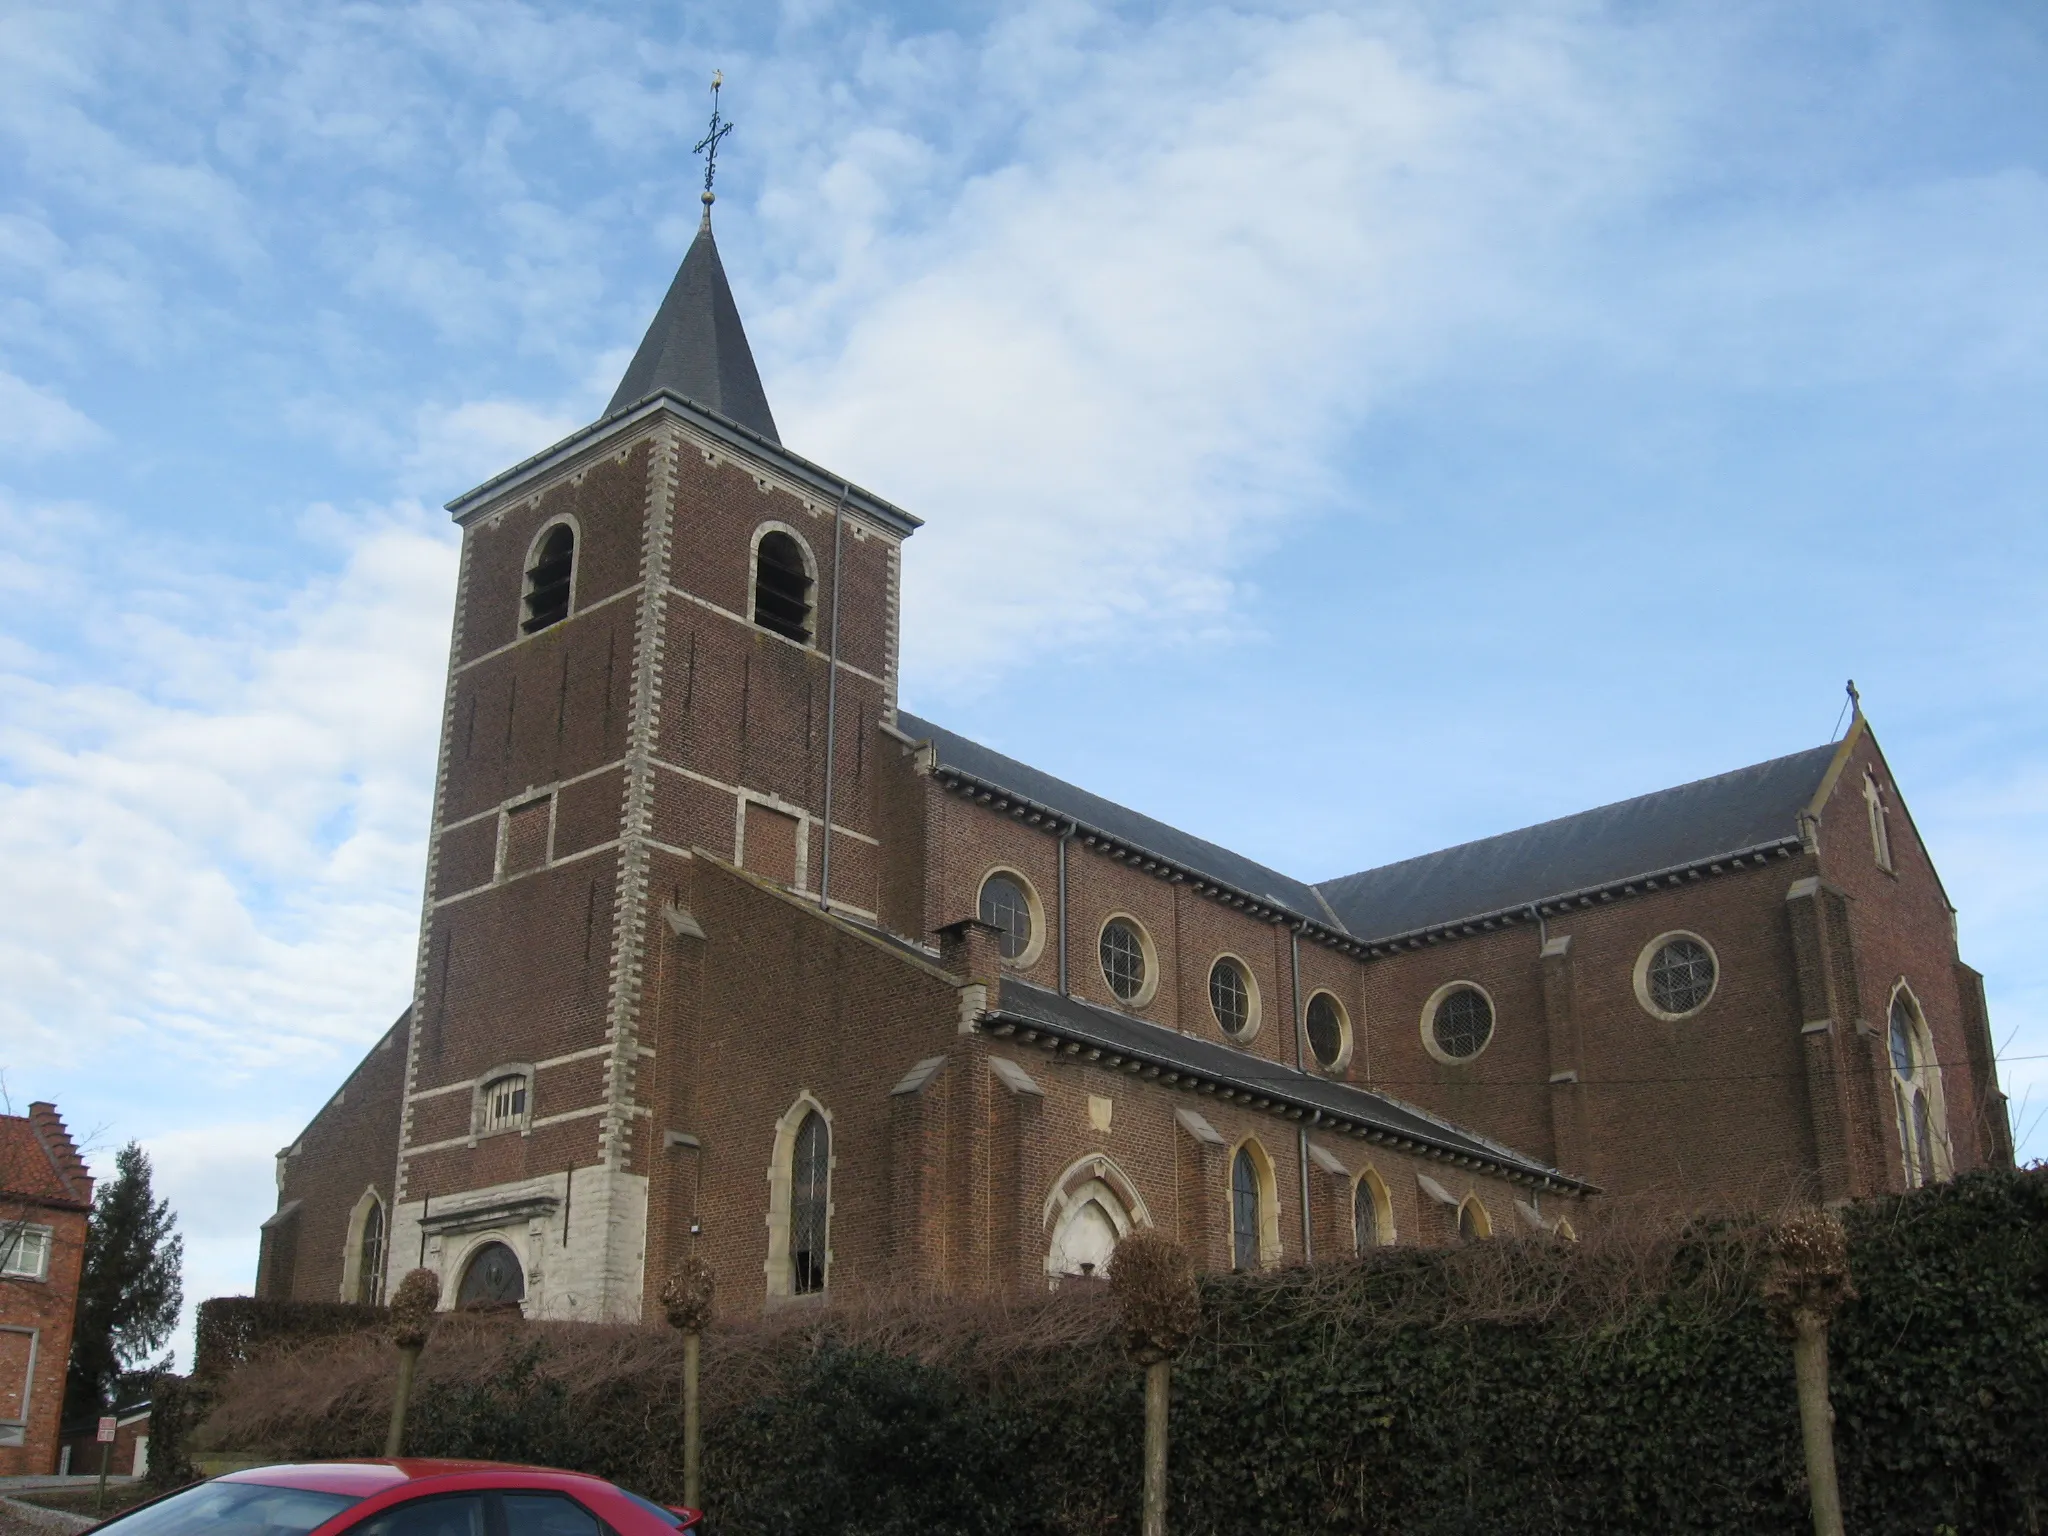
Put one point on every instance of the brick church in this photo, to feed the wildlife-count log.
(724, 952)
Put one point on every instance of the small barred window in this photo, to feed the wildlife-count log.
(1006, 907)
(1122, 950)
(1230, 995)
(1463, 1023)
(505, 1102)
(1681, 976)
(547, 579)
(1326, 1029)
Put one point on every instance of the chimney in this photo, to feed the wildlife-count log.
(972, 948)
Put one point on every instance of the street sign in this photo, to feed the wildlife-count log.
(106, 1434)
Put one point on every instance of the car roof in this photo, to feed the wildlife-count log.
(365, 1477)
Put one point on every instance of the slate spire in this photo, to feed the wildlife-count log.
(696, 347)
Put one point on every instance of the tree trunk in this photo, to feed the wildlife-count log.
(1817, 1420)
(1158, 1380)
(693, 1426)
(394, 1439)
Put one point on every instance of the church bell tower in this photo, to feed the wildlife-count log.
(674, 642)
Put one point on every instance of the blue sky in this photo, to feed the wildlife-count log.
(1341, 430)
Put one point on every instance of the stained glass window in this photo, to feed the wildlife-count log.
(1463, 1023)
(1681, 976)
(809, 1192)
(1325, 1029)
(1230, 995)
(1244, 1211)
(1006, 907)
(1123, 958)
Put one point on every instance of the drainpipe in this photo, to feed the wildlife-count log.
(832, 699)
(1308, 1239)
(1060, 901)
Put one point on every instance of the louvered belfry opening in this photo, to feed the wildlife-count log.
(782, 588)
(547, 579)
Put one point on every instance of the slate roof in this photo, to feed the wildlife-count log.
(1751, 808)
(961, 756)
(1748, 810)
(697, 348)
(1343, 1107)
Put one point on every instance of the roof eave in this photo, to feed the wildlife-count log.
(1031, 1029)
(739, 439)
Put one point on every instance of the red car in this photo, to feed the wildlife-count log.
(403, 1498)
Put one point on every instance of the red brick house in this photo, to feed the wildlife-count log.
(45, 1197)
(723, 952)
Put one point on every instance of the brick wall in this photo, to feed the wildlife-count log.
(348, 1148)
(36, 1318)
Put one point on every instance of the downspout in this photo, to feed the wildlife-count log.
(1308, 1240)
(1060, 901)
(832, 700)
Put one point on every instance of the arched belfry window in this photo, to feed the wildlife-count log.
(370, 1256)
(782, 586)
(810, 1177)
(548, 578)
(1916, 1090)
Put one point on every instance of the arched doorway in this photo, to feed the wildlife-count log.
(492, 1277)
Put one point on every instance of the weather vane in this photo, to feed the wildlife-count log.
(708, 145)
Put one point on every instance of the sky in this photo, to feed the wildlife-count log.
(1341, 430)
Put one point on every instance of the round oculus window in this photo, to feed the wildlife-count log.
(1680, 977)
(1230, 996)
(1462, 1023)
(1122, 951)
(1006, 907)
(1326, 1029)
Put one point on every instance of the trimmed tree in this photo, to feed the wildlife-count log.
(131, 1287)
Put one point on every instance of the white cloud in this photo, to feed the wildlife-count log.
(35, 422)
(214, 819)
(461, 446)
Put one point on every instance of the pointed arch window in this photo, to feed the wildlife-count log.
(548, 578)
(1244, 1211)
(1916, 1091)
(1473, 1221)
(782, 586)
(1372, 1219)
(370, 1256)
(1880, 828)
(810, 1177)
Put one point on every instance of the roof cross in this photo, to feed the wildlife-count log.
(708, 145)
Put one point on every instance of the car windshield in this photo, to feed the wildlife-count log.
(234, 1509)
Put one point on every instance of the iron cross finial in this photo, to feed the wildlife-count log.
(708, 145)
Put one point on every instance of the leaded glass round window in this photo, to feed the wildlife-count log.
(1230, 996)
(1462, 1023)
(1006, 907)
(1681, 976)
(1122, 949)
(492, 1278)
(1326, 1029)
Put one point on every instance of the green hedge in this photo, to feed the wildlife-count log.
(1525, 1388)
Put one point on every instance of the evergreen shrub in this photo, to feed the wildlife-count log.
(1633, 1383)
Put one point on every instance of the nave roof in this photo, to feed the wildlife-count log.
(1751, 809)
